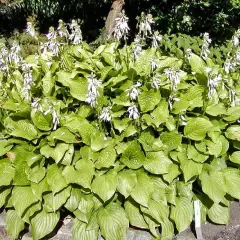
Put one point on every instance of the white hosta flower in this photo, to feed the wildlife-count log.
(154, 64)
(174, 78)
(137, 47)
(145, 25)
(31, 30)
(76, 33)
(3, 58)
(14, 54)
(228, 67)
(121, 28)
(188, 53)
(213, 81)
(36, 104)
(27, 80)
(133, 91)
(236, 37)
(205, 47)
(133, 112)
(55, 119)
(105, 115)
(171, 100)
(157, 38)
(208, 69)
(93, 85)
(155, 82)
(183, 120)
(62, 29)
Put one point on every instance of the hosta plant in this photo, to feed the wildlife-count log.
(116, 137)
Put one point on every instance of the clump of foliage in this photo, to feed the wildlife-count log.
(117, 136)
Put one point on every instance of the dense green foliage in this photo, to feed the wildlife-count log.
(219, 17)
(116, 138)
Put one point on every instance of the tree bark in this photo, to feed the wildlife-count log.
(116, 8)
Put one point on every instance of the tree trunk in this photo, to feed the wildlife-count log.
(116, 8)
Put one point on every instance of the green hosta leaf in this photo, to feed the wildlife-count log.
(195, 155)
(167, 230)
(43, 223)
(219, 214)
(7, 173)
(80, 232)
(30, 211)
(74, 199)
(173, 172)
(214, 148)
(4, 147)
(233, 114)
(21, 174)
(106, 158)
(68, 157)
(37, 174)
(105, 186)
(134, 215)
(235, 157)
(24, 129)
(152, 225)
(55, 201)
(127, 180)
(121, 124)
(62, 134)
(80, 177)
(190, 168)
(23, 197)
(99, 141)
(78, 87)
(232, 181)
(157, 163)
(157, 210)
(233, 132)
(109, 58)
(213, 185)
(182, 213)
(41, 121)
(113, 222)
(105, 71)
(197, 64)
(197, 128)
(148, 100)
(14, 223)
(171, 140)
(143, 190)
(48, 84)
(216, 110)
(55, 179)
(150, 143)
(4, 194)
(143, 63)
(56, 153)
(39, 188)
(133, 156)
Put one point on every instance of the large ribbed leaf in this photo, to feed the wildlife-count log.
(197, 128)
(80, 232)
(14, 224)
(182, 213)
(43, 223)
(113, 222)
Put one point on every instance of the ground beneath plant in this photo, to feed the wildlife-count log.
(210, 231)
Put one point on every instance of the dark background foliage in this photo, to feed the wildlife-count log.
(218, 17)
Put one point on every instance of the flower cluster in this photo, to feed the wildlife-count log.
(27, 81)
(145, 25)
(62, 29)
(105, 114)
(133, 93)
(121, 28)
(205, 47)
(156, 39)
(31, 30)
(213, 81)
(173, 77)
(137, 47)
(76, 33)
(93, 85)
